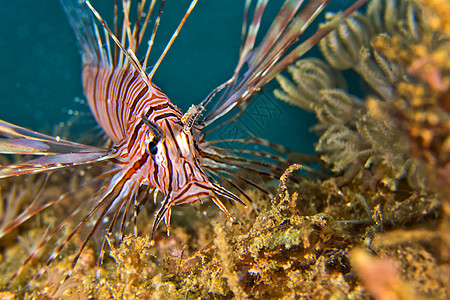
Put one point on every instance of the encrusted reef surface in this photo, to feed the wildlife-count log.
(373, 225)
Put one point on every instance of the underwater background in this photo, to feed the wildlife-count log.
(370, 222)
(41, 67)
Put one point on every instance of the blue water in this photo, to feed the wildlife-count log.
(40, 65)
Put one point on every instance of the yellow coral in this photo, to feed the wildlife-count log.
(438, 14)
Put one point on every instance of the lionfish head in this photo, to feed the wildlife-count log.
(175, 168)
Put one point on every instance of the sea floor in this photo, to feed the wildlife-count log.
(314, 239)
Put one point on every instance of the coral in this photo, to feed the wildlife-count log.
(354, 136)
(421, 103)
(301, 255)
(381, 276)
(438, 13)
(299, 247)
(396, 135)
(132, 273)
(419, 268)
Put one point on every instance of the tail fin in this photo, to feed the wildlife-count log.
(271, 56)
(126, 37)
(80, 18)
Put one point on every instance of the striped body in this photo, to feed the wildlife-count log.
(117, 98)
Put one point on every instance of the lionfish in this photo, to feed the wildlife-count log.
(153, 143)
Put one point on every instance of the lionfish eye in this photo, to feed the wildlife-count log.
(152, 148)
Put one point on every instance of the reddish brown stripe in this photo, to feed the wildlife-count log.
(169, 167)
(138, 98)
(107, 91)
(187, 199)
(185, 189)
(94, 87)
(139, 125)
(173, 138)
(166, 115)
(138, 164)
(119, 162)
(155, 171)
(121, 94)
